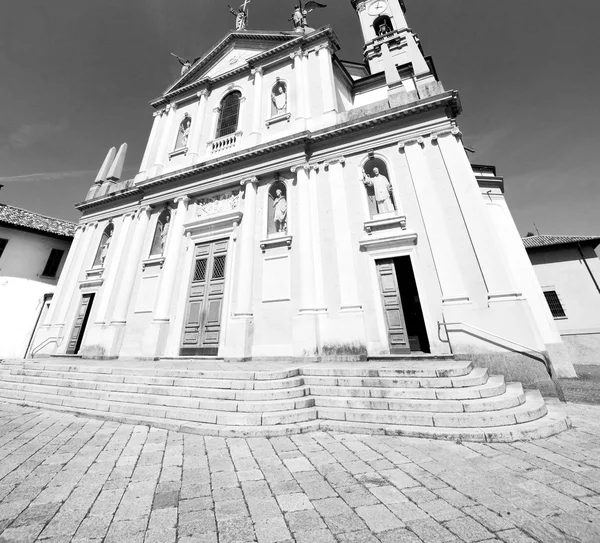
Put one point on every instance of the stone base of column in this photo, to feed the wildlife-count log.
(344, 338)
(103, 341)
(239, 338)
(155, 339)
(304, 335)
(561, 361)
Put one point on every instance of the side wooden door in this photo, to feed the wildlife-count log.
(83, 315)
(202, 331)
(392, 306)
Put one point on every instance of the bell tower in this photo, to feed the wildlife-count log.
(392, 47)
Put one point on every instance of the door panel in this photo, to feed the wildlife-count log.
(392, 305)
(205, 305)
(83, 315)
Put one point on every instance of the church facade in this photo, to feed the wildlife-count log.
(293, 206)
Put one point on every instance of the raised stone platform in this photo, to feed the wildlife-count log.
(417, 397)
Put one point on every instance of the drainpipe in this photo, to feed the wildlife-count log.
(588, 267)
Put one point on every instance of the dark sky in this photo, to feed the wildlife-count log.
(77, 75)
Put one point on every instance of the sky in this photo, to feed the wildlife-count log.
(77, 76)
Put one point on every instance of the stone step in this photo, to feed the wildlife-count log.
(555, 421)
(123, 370)
(477, 377)
(181, 392)
(179, 413)
(513, 397)
(494, 386)
(242, 406)
(177, 425)
(237, 384)
(399, 369)
(533, 408)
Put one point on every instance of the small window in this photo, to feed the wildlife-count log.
(3, 243)
(558, 312)
(230, 113)
(53, 263)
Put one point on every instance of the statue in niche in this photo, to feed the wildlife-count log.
(279, 99)
(105, 247)
(184, 132)
(382, 188)
(280, 207)
(164, 234)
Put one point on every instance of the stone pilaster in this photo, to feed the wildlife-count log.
(165, 138)
(255, 135)
(327, 81)
(197, 125)
(175, 238)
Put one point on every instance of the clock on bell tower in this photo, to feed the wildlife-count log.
(391, 46)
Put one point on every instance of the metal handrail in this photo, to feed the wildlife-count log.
(43, 344)
(543, 355)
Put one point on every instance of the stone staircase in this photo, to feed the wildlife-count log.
(441, 398)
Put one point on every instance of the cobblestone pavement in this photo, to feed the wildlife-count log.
(65, 478)
(585, 389)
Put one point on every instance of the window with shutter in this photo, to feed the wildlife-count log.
(53, 263)
(556, 307)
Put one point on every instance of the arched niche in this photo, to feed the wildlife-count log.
(279, 98)
(383, 25)
(183, 134)
(104, 246)
(376, 179)
(161, 232)
(277, 209)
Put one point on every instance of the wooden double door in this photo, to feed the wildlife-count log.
(81, 321)
(204, 311)
(402, 306)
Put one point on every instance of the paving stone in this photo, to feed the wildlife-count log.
(357, 537)
(314, 536)
(304, 520)
(388, 494)
(346, 523)
(441, 510)
(294, 502)
(331, 507)
(515, 536)
(273, 530)
(379, 518)
(298, 464)
(398, 536)
(468, 529)
(357, 496)
(489, 519)
(431, 531)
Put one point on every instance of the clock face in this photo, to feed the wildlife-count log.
(377, 7)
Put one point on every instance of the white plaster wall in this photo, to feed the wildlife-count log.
(562, 269)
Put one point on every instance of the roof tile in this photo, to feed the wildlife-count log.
(546, 240)
(15, 216)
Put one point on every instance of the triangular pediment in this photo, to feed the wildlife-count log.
(232, 52)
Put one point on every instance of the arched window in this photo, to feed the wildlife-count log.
(159, 241)
(382, 25)
(183, 133)
(104, 246)
(229, 115)
(278, 210)
(379, 189)
(279, 99)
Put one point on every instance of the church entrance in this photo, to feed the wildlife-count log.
(83, 315)
(202, 330)
(402, 306)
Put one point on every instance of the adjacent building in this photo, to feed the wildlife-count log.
(33, 251)
(290, 205)
(568, 270)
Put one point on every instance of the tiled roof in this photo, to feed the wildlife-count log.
(546, 240)
(22, 218)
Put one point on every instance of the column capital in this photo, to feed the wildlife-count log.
(361, 5)
(217, 109)
(158, 113)
(129, 214)
(251, 180)
(325, 47)
(185, 200)
(204, 93)
(454, 131)
(298, 54)
(333, 161)
(259, 70)
(304, 166)
(314, 166)
(143, 209)
(414, 141)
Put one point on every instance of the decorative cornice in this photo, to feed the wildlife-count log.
(414, 141)
(449, 100)
(454, 131)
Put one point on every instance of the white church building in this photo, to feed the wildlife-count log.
(293, 206)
